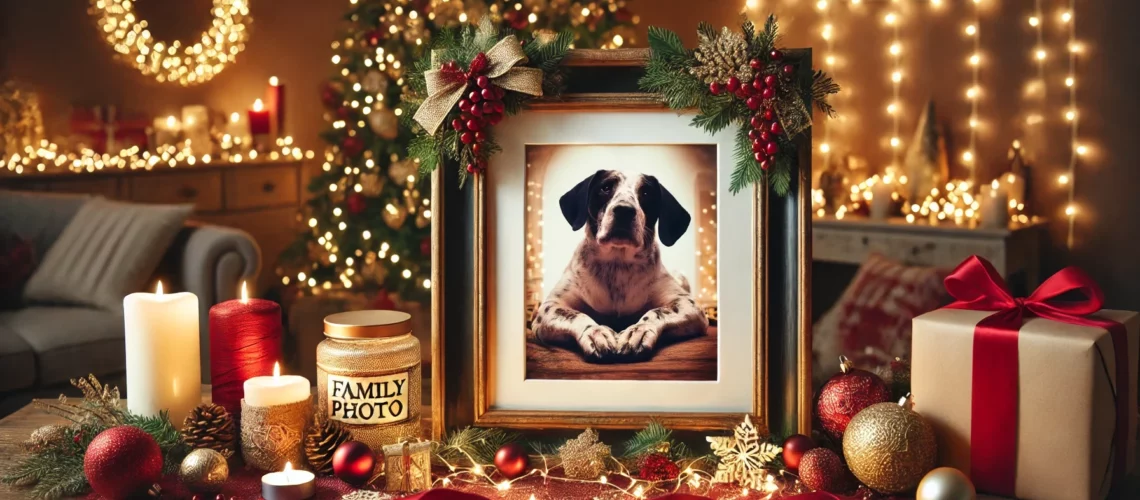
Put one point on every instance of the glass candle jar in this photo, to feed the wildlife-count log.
(368, 376)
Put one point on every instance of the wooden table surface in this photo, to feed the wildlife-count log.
(15, 428)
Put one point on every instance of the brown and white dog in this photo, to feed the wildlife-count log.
(615, 299)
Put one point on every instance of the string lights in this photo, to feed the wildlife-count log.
(49, 157)
(187, 64)
(1037, 88)
(827, 32)
(895, 49)
(1068, 19)
(973, 94)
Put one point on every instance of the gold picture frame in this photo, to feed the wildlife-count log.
(781, 391)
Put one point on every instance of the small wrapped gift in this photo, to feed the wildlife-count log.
(1035, 397)
(407, 466)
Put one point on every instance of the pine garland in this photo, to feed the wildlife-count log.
(57, 470)
(688, 79)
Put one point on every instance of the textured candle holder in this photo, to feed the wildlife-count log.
(273, 435)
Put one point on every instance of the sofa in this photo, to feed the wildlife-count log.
(46, 344)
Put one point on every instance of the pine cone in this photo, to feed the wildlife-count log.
(722, 57)
(46, 437)
(210, 426)
(321, 441)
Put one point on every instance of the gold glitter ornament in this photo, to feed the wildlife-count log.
(946, 483)
(394, 216)
(889, 447)
(204, 471)
(374, 82)
(742, 457)
(370, 184)
(399, 171)
(584, 457)
(383, 122)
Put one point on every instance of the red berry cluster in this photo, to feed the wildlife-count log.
(758, 95)
(481, 107)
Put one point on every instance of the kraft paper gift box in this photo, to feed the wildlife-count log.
(1063, 442)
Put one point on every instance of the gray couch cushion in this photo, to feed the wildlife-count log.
(109, 249)
(69, 342)
(17, 361)
(39, 217)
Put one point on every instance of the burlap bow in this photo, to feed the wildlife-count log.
(444, 90)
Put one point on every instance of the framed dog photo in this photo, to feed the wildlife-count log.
(601, 274)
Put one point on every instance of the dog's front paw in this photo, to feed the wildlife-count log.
(598, 342)
(638, 339)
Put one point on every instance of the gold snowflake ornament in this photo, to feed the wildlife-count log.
(743, 457)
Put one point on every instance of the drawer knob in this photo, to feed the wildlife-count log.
(188, 192)
(268, 187)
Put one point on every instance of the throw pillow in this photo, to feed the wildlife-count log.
(108, 250)
(17, 261)
(870, 324)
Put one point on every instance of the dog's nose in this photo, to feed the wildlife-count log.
(623, 213)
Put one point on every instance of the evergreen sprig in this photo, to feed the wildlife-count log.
(649, 439)
(670, 73)
(475, 444)
(57, 470)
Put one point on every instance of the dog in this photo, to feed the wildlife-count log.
(615, 300)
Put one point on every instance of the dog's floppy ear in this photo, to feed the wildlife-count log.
(575, 203)
(674, 219)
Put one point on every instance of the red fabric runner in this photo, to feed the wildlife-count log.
(976, 285)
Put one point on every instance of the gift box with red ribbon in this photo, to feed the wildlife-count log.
(1032, 397)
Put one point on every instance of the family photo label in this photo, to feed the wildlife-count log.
(368, 400)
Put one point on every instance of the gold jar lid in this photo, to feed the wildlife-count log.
(368, 324)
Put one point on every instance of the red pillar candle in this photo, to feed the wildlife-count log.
(258, 119)
(245, 341)
(275, 104)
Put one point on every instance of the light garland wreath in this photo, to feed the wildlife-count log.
(740, 78)
(187, 64)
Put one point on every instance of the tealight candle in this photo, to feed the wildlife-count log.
(276, 390)
(289, 484)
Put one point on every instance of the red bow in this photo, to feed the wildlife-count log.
(976, 285)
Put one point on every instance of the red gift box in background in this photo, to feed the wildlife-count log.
(106, 130)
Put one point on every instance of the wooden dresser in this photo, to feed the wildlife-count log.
(260, 198)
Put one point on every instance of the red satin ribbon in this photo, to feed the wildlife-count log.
(976, 285)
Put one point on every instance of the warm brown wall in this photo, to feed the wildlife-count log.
(54, 46)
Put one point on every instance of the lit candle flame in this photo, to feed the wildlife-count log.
(234, 117)
(995, 184)
(171, 121)
(158, 289)
(244, 294)
(257, 105)
(288, 466)
(276, 370)
(273, 81)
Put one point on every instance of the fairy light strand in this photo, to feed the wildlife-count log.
(973, 94)
(1072, 115)
(893, 108)
(827, 32)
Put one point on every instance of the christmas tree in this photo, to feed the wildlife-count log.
(368, 217)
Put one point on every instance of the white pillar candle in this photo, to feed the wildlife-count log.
(881, 199)
(994, 206)
(276, 390)
(161, 334)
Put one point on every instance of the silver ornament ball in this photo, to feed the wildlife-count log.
(946, 483)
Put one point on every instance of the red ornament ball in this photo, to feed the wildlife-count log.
(822, 470)
(794, 448)
(356, 203)
(373, 38)
(425, 245)
(846, 394)
(353, 462)
(658, 467)
(352, 146)
(512, 461)
(122, 461)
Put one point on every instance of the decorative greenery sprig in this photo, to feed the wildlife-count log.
(742, 79)
(470, 80)
(56, 470)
